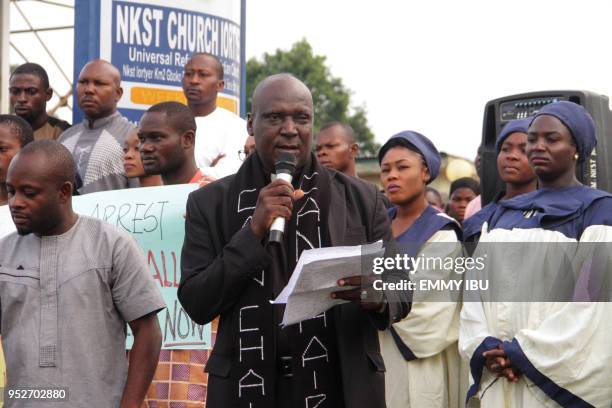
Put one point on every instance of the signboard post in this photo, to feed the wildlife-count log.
(4, 55)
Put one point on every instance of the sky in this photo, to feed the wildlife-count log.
(428, 66)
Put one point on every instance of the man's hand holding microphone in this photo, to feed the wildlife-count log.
(275, 206)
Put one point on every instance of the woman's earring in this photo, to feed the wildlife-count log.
(576, 156)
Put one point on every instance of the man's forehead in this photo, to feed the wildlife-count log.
(289, 102)
(154, 115)
(279, 103)
(282, 89)
(157, 123)
(325, 136)
(153, 119)
(100, 70)
(32, 167)
(201, 62)
(25, 80)
(334, 132)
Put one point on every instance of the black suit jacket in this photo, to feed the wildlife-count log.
(216, 267)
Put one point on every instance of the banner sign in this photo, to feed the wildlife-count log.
(150, 43)
(155, 217)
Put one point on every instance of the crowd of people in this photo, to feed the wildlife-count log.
(69, 284)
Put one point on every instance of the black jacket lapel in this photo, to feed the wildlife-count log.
(337, 213)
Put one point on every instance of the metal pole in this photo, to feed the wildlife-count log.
(25, 18)
(40, 30)
(56, 4)
(243, 78)
(4, 55)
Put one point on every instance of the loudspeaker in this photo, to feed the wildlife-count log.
(595, 171)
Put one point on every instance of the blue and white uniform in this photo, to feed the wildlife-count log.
(473, 225)
(423, 367)
(420, 352)
(562, 348)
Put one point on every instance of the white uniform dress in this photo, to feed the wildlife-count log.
(423, 367)
(548, 261)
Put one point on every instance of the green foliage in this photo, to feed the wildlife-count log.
(331, 97)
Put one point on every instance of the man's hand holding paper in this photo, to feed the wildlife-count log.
(363, 292)
(325, 277)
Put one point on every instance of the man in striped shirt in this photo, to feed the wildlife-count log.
(97, 142)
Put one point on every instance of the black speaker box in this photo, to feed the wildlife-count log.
(595, 171)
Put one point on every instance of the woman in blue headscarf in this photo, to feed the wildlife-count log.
(513, 169)
(420, 352)
(529, 342)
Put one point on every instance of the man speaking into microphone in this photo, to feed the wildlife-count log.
(233, 267)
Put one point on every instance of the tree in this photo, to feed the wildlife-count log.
(331, 98)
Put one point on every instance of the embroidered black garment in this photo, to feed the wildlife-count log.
(261, 341)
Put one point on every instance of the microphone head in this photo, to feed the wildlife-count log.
(285, 163)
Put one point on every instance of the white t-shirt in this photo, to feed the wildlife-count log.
(6, 221)
(219, 132)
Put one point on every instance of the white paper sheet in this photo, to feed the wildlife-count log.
(316, 276)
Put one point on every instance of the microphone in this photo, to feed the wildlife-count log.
(285, 166)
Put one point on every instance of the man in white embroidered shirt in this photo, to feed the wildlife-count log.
(68, 286)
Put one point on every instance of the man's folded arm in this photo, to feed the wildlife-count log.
(211, 282)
